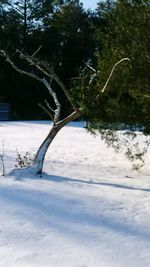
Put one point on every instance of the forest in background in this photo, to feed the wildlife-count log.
(70, 37)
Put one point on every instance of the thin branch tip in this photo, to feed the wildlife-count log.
(90, 67)
(112, 71)
(37, 51)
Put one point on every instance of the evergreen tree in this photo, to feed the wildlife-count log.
(125, 33)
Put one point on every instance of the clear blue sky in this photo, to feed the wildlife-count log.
(89, 3)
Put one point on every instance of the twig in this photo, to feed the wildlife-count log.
(48, 72)
(48, 105)
(37, 51)
(42, 80)
(111, 73)
(91, 68)
(46, 110)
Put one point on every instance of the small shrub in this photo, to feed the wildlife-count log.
(23, 161)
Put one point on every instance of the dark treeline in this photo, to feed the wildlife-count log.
(64, 31)
(69, 37)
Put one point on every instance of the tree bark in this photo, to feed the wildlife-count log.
(45, 69)
(40, 155)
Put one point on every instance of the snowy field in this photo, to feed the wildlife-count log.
(89, 209)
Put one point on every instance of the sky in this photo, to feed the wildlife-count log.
(89, 3)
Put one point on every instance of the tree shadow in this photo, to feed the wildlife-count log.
(64, 213)
(61, 179)
(21, 174)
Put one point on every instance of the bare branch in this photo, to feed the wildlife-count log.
(7, 59)
(43, 80)
(49, 107)
(75, 114)
(76, 78)
(48, 72)
(111, 73)
(36, 51)
(53, 94)
(91, 68)
(46, 110)
(63, 87)
(146, 96)
(93, 76)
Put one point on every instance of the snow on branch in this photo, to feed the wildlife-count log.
(48, 74)
(53, 94)
(42, 80)
(46, 69)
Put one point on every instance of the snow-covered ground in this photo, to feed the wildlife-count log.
(89, 209)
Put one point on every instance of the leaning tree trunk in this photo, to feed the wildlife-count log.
(40, 155)
(47, 71)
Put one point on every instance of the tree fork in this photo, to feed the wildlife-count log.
(40, 155)
(57, 123)
(37, 166)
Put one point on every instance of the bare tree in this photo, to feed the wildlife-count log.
(48, 75)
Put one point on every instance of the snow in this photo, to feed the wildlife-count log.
(89, 209)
